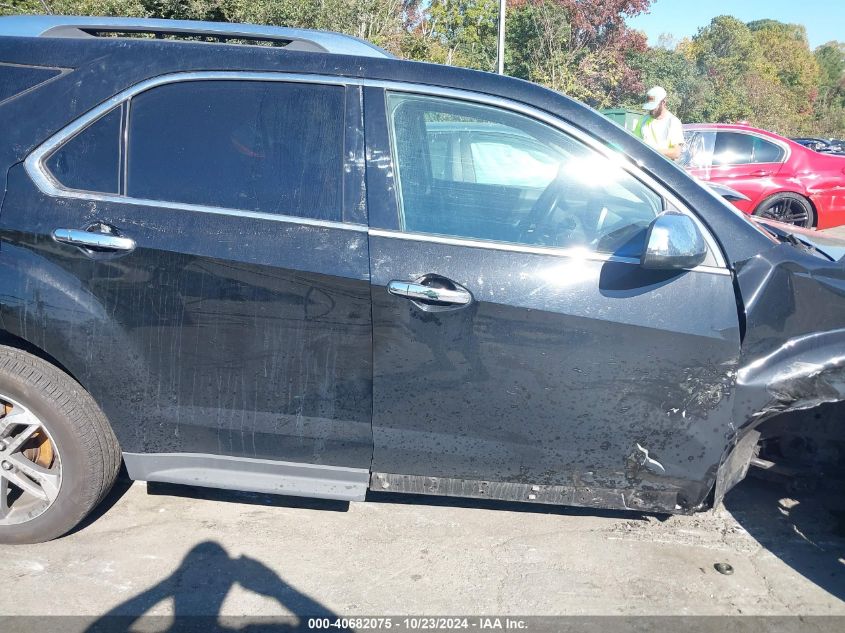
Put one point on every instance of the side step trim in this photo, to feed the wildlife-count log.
(249, 474)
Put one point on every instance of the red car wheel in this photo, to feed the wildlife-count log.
(790, 208)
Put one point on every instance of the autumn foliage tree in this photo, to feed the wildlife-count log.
(762, 71)
(830, 104)
(579, 47)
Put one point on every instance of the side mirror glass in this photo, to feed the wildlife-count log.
(673, 242)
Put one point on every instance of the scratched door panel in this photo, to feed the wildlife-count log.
(237, 333)
(555, 373)
(257, 344)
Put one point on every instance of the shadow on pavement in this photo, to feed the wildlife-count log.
(197, 590)
(806, 530)
(250, 498)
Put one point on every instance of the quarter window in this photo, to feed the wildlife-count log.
(475, 171)
(90, 160)
(271, 147)
(15, 79)
(766, 152)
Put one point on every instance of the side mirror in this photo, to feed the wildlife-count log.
(673, 242)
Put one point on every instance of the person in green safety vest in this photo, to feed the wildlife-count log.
(660, 128)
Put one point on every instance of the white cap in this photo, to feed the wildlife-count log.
(655, 96)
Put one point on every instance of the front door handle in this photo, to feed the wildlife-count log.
(421, 292)
(90, 239)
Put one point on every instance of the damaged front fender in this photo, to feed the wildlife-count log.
(793, 352)
(804, 372)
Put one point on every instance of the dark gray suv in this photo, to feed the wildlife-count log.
(309, 268)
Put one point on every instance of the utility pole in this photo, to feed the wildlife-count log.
(500, 55)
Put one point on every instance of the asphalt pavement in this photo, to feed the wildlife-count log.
(164, 549)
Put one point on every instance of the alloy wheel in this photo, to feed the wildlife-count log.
(787, 210)
(30, 466)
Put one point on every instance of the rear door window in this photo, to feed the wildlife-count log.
(487, 154)
(733, 148)
(511, 160)
(263, 146)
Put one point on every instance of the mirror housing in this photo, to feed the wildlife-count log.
(673, 242)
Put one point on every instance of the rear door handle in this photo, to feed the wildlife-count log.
(421, 292)
(89, 239)
(760, 173)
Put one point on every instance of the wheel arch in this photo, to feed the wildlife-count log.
(815, 211)
(802, 194)
(11, 340)
(45, 311)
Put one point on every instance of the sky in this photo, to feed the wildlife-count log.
(824, 19)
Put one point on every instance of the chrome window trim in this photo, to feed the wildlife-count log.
(44, 180)
(124, 149)
(48, 185)
(786, 148)
(567, 252)
(514, 106)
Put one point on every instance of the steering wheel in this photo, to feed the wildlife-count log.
(581, 225)
(542, 210)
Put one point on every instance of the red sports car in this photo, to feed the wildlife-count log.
(783, 180)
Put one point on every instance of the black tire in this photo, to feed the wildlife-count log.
(791, 208)
(87, 449)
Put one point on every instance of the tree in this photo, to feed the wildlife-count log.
(579, 47)
(830, 58)
(792, 72)
(466, 31)
(830, 106)
(724, 52)
(537, 44)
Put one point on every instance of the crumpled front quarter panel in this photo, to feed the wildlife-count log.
(793, 353)
(793, 356)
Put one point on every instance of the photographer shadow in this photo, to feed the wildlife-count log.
(197, 590)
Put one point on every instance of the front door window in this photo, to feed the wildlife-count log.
(482, 173)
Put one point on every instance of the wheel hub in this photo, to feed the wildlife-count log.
(39, 449)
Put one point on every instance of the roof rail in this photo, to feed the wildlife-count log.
(87, 26)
